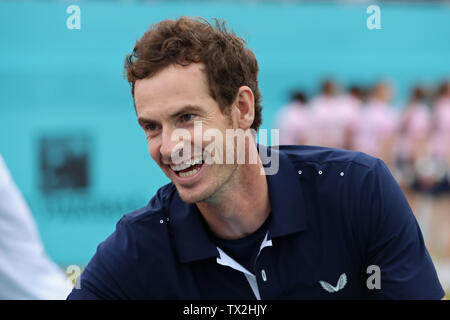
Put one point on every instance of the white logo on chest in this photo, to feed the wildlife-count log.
(339, 286)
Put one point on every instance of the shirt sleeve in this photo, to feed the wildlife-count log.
(26, 271)
(102, 277)
(396, 244)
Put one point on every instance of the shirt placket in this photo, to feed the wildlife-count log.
(225, 260)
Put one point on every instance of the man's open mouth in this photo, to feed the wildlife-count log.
(189, 168)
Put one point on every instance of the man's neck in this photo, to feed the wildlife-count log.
(243, 206)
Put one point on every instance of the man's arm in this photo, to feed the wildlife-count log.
(396, 244)
(26, 272)
(103, 277)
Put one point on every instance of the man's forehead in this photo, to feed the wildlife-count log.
(173, 77)
(170, 90)
(175, 81)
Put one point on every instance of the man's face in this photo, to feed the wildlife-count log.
(175, 98)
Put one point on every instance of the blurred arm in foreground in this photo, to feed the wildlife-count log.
(25, 270)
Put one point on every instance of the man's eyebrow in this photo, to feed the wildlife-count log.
(183, 110)
(186, 109)
(143, 121)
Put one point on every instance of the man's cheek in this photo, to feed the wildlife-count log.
(153, 151)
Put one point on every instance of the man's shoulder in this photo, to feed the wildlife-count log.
(144, 228)
(335, 173)
(140, 242)
(155, 207)
(299, 154)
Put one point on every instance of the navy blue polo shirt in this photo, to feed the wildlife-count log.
(335, 215)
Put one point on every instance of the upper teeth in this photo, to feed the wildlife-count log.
(186, 165)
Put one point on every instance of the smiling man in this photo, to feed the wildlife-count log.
(225, 230)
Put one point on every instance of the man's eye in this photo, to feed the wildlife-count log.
(187, 117)
(151, 127)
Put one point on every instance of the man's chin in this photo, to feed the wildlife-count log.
(189, 197)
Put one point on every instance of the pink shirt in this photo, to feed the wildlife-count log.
(440, 145)
(414, 129)
(350, 108)
(293, 122)
(378, 122)
(328, 122)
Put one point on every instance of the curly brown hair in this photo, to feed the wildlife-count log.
(228, 63)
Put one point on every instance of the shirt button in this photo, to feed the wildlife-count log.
(320, 171)
(263, 275)
(299, 171)
(342, 174)
(161, 221)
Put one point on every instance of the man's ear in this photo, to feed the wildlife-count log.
(245, 105)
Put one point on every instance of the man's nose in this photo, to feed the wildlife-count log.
(170, 146)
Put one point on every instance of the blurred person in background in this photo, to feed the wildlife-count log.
(378, 123)
(411, 147)
(441, 154)
(433, 166)
(441, 125)
(25, 270)
(293, 121)
(413, 136)
(432, 179)
(328, 127)
(348, 114)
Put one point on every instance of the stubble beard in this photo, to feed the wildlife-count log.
(213, 194)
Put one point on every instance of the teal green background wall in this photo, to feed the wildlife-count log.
(57, 81)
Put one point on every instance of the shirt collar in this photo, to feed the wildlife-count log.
(288, 214)
(286, 198)
(191, 238)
